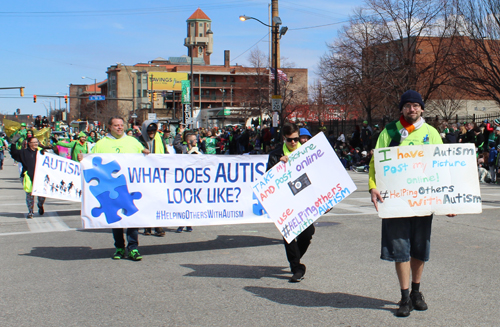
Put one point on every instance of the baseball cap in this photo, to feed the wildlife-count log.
(304, 131)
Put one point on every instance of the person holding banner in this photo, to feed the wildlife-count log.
(406, 241)
(117, 142)
(190, 148)
(27, 157)
(296, 249)
(152, 140)
(78, 146)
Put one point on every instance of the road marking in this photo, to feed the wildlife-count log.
(50, 223)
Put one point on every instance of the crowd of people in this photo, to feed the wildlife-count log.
(405, 241)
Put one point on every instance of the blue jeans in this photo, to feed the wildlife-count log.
(132, 238)
(403, 238)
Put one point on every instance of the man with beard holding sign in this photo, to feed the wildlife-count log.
(298, 247)
(406, 241)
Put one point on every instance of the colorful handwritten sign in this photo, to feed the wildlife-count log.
(134, 190)
(297, 193)
(420, 180)
(57, 177)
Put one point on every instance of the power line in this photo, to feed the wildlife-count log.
(123, 12)
(251, 47)
(317, 26)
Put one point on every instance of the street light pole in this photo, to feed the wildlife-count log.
(276, 33)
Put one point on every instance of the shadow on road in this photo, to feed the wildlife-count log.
(236, 271)
(85, 252)
(304, 298)
(59, 213)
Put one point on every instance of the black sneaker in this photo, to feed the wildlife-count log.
(404, 308)
(40, 210)
(417, 299)
(297, 277)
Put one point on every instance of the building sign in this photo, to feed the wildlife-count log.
(186, 92)
(166, 81)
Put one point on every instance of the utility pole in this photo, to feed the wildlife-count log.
(275, 13)
(152, 95)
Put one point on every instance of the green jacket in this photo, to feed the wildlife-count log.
(76, 148)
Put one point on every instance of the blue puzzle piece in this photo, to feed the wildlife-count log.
(103, 174)
(110, 206)
(257, 208)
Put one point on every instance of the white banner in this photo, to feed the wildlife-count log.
(134, 190)
(57, 177)
(419, 180)
(297, 193)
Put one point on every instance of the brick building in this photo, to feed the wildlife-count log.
(222, 94)
(429, 65)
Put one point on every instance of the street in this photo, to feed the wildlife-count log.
(53, 273)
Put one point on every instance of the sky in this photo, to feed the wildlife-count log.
(47, 45)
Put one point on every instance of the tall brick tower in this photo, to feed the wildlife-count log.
(199, 36)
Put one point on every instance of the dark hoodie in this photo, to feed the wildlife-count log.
(146, 141)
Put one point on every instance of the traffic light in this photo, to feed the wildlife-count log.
(65, 99)
(34, 98)
(150, 97)
(22, 91)
(155, 96)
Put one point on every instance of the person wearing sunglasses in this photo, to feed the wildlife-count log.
(298, 247)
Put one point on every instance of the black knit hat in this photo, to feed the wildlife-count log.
(412, 97)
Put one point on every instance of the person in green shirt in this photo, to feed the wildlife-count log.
(406, 241)
(210, 143)
(117, 142)
(78, 146)
(92, 137)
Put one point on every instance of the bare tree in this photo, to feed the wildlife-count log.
(447, 104)
(479, 52)
(389, 47)
(256, 90)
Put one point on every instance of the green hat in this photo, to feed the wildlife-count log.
(23, 124)
(82, 134)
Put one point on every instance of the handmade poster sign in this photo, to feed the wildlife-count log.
(419, 180)
(298, 192)
(136, 190)
(57, 177)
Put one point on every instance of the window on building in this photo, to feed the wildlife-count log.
(145, 79)
(192, 24)
(201, 34)
(138, 80)
(232, 79)
(139, 93)
(202, 79)
(201, 24)
(144, 93)
(290, 79)
(207, 92)
(224, 79)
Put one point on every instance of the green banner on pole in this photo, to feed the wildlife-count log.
(186, 92)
